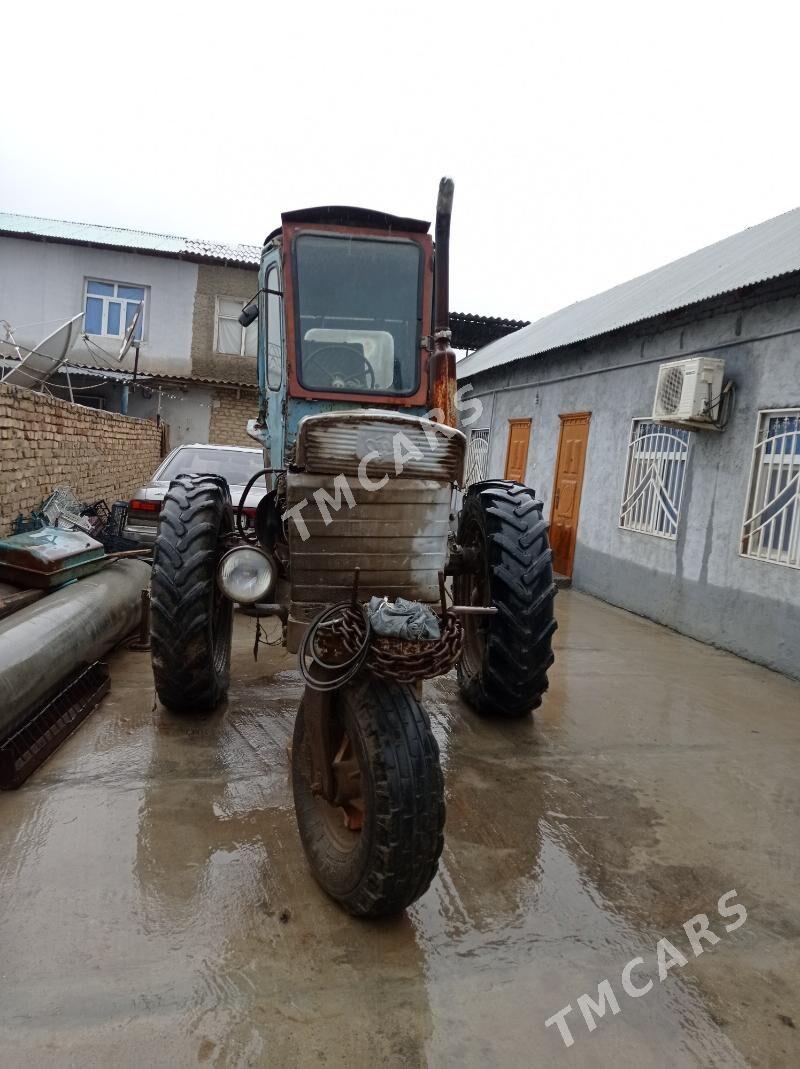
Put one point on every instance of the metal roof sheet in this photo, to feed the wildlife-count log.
(761, 252)
(94, 371)
(122, 238)
(216, 250)
(473, 331)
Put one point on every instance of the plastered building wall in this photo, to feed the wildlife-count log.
(699, 583)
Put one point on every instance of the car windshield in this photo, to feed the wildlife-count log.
(237, 465)
(358, 309)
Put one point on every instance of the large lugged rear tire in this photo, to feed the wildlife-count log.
(503, 669)
(190, 619)
(386, 863)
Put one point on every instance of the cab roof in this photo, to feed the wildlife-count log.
(344, 215)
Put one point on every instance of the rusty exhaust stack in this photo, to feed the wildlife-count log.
(443, 359)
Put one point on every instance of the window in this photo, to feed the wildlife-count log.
(358, 314)
(771, 528)
(110, 308)
(274, 329)
(654, 478)
(477, 458)
(230, 336)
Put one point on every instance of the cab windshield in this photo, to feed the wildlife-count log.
(358, 314)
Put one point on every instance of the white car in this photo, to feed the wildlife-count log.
(237, 464)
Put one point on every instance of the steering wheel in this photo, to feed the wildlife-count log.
(337, 375)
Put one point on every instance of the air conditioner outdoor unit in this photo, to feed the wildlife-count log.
(689, 391)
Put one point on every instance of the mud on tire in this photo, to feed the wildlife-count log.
(503, 671)
(387, 864)
(191, 621)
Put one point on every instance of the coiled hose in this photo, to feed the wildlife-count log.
(331, 676)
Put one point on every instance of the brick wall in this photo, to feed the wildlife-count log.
(220, 281)
(230, 411)
(45, 443)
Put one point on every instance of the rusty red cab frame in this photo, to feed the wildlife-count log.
(295, 387)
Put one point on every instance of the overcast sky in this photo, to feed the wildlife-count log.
(589, 142)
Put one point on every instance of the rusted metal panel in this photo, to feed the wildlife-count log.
(398, 492)
(425, 548)
(380, 526)
(391, 585)
(443, 381)
(381, 577)
(403, 561)
(338, 442)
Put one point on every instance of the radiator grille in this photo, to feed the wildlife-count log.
(411, 446)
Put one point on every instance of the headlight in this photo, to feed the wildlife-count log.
(246, 575)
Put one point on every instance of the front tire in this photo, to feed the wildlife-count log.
(503, 668)
(384, 859)
(191, 620)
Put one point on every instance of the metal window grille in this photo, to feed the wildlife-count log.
(477, 464)
(654, 478)
(771, 528)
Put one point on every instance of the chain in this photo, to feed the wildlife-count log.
(402, 660)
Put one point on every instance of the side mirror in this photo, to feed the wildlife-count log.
(248, 315)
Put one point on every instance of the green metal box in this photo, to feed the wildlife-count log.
(48, 558)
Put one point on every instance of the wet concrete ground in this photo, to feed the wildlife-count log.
(157, 910)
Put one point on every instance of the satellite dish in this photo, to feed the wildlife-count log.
(127, 341)
(42, 362)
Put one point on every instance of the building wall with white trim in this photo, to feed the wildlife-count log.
(43, 282)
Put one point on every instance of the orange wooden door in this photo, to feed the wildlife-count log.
(567, 489)
(519, 434)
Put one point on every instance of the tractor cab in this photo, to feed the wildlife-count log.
(344, 312)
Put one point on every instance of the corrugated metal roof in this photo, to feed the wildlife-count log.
(761, 252)
(193, 380)
(473, 331)
(122, 238)
(216, 250)
(93, 371)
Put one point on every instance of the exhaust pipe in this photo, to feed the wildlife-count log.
(444, 211)
(443, 359)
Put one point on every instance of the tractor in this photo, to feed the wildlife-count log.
(363, 466)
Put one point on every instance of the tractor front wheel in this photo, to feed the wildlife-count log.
(377, 849)
(191, 620)
(503, 669)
